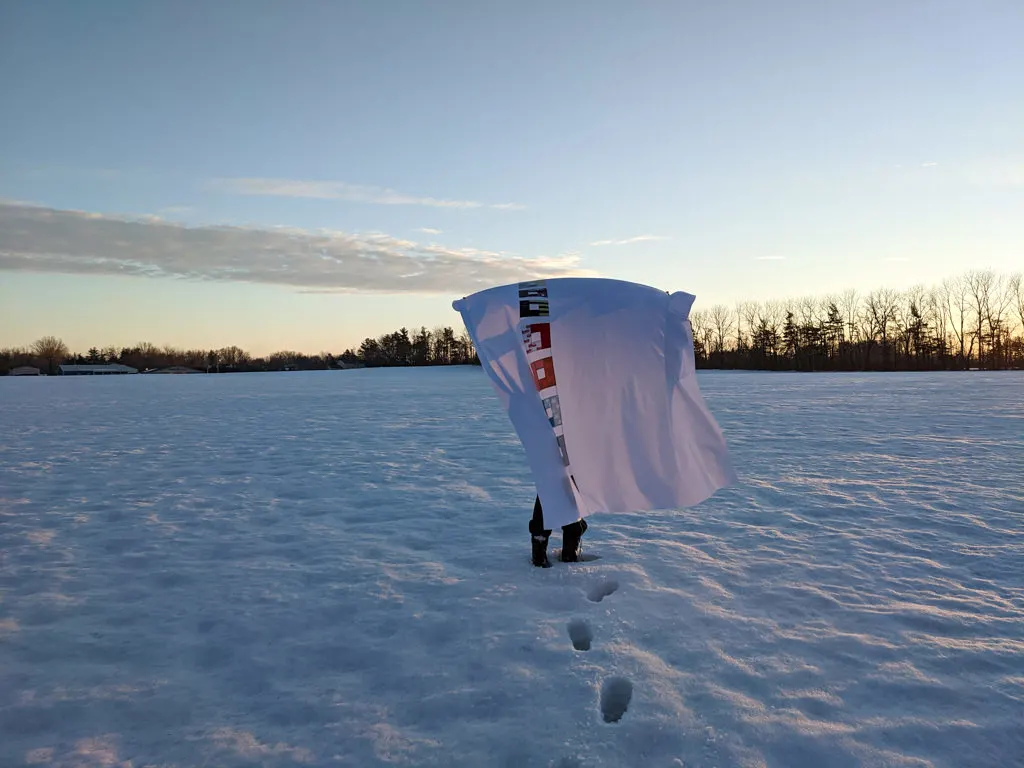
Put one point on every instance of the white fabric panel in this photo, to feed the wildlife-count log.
(598, 380)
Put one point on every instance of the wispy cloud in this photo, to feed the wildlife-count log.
(429, 231)
(769, 258)
(339, 190)
(929, 165)
(628, 240)
(175, 210)
(38, 239)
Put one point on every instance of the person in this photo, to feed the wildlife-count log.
(602, 370)
(572, 536)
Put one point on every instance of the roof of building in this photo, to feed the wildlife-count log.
(174, 369)
(99, 368)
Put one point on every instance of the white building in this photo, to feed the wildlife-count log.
(96, 370)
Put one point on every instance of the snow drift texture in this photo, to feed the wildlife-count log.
(598, 379)
(325, 570)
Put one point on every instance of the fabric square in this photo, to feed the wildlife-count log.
(543, 373)
(537, 336)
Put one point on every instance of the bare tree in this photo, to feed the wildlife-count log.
(52, 350)
(808, 310)
(172, 355)
(282, 359)
(195, 358)
(902, 322)
(443, 345)
(703, 332)
(877, 321)
(954, 295)
(824, 305)
(884, 303)
(235, 357)
(908, 319)
(999, 317)
(741, 340)
(935, 315)
(770, 317)
(465, 342)
(849, 306)
(1016, 291)
(751, 312)
(979, 287)
(148, 349)
(721, 322)
(14, 357)
(868, 329)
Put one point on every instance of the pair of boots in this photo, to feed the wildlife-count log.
(571, 543)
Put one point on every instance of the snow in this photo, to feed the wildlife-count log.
(333, 569)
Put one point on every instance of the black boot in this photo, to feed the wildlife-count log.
(539, 537)
(540, 550)
(571, 536)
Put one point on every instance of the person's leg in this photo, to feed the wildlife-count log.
(571, 536)
(539, 536)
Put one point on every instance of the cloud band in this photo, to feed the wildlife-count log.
(338, 190)
(36, 239)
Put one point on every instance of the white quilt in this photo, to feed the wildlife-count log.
(598, 379)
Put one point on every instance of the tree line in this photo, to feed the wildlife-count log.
(440, 346)
(975, 320)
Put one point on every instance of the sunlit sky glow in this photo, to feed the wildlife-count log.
(301, 175)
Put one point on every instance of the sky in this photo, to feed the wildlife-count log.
(300, 175)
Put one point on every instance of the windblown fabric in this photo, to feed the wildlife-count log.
(598, 379)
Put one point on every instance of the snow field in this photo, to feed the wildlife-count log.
(333, 569)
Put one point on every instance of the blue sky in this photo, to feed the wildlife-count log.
(303, 174)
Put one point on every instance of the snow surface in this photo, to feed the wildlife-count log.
(332, 569)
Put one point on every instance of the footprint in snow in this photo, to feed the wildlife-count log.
(602, 590)
(581, 634)
(616, 694)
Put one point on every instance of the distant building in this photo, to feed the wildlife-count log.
(342, 365)
(24, 370)
(174, 369)
(96, 370)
